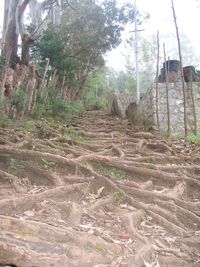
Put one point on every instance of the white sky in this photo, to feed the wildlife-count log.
(188, 16)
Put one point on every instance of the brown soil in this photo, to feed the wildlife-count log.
(106, 195)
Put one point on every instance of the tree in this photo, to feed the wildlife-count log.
(10, 35)
(125, 82)
(147, 60)
(188, 54)
(14, 25)
(86, 32)
(97, 89)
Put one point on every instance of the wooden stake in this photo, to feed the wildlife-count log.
(193, 104)
(182, 75)
(157, 72)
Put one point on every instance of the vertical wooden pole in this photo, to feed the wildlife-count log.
(157, 72)
(193, 104)
(136, 57)
(182, 75)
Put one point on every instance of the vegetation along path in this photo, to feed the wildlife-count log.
(97, 193)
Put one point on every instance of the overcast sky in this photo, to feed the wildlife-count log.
(161, 19)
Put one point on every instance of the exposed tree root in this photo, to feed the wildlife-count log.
(123, 197)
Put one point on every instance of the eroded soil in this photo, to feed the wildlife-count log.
(99, 193)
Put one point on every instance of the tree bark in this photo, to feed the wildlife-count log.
(26, 41)
(31, 86)
(82, 79)
(13, 26)
(10, 35)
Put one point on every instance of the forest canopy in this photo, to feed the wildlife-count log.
(57, 45)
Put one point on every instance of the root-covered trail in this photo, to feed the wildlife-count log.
(100, 193)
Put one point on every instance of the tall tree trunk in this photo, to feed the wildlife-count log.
(82, 79)
(10, 35)
(182, 75)
(157, 71)
(31, 86)
(26, 41)
(13, 26)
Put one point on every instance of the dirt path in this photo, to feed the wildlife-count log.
(98, 194)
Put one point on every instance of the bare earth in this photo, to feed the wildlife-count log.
(106, 194)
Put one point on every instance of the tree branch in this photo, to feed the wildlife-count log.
(70, 5)
(19, 17)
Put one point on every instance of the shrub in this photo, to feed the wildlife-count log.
(18, 99)
(57, 107)
(194, 139)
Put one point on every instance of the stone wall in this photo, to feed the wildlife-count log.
(147, 107)
(119, 103)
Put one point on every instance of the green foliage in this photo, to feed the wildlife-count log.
(18, 98)
(70, 132)
(44, 132)
(126, 82)
(147, 61)
(87, 31)
(150, 159)
(61, 108)
(100, 250)
(104, 170)
(149, 128)
(56, 107)
(97, 89)
(166, 133)
(118, 196)
(30, 125)
(79, 139)
(75, 49)
(6, 122)
(194, 139)
(15, 166)
(2, 62)
(48, 163)
(118, 174)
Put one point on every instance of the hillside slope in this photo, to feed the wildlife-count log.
(98, 193)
